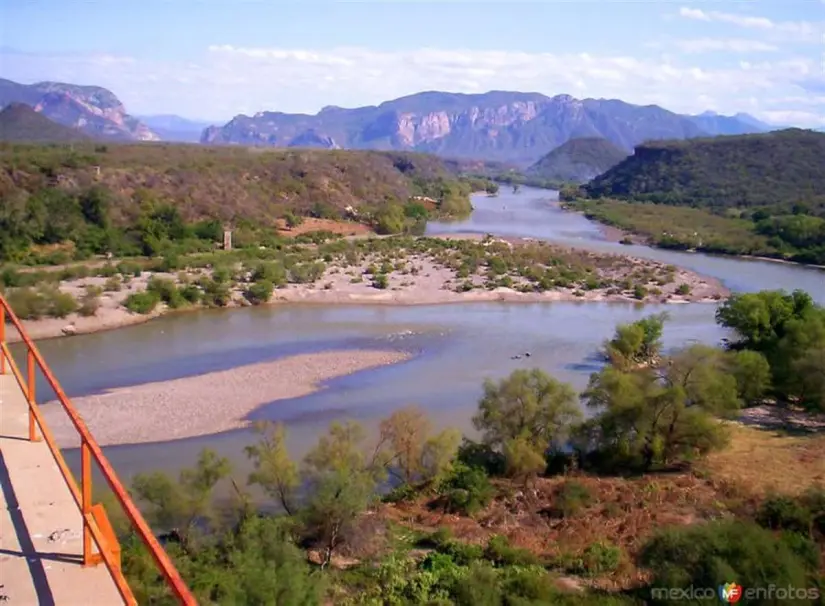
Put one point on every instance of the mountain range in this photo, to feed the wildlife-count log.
(513, 127)
(92, 110)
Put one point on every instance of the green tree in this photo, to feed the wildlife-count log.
(274, 471)
(528, 405)
(753, 375)
(341, 482)
(410, 452)
(178, 506)
(638, 343)
(664, 414)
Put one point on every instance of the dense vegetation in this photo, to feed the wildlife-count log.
(577, 161)
(139, 199)
(751, 194)
(257, 271)
(654, 411)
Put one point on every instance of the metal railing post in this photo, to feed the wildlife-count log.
(33, 437)
(86, 492)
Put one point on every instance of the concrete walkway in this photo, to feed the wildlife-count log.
(41, 536)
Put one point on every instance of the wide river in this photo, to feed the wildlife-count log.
(455, 346)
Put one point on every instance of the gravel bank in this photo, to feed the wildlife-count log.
(209, 403)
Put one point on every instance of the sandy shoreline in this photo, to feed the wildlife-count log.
(209, 403)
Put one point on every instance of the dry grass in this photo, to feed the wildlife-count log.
(311, 224)
(761, 461)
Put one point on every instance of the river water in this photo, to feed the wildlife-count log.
(456, 346)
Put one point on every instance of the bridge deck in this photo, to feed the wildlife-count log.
(41, 538)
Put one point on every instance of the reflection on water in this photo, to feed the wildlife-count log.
(456, 346)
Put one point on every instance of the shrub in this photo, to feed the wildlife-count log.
(380, 281)
(784, 513)
(89, 304)
(215, 294)
(466, 490)
(191, 293)
(572, 497)
(501, 553)
(714, 553)
(166, 291)
(112, 284)
(259, 292)
(601, 557)
(142, 302)
(272, 272)
(684, 289)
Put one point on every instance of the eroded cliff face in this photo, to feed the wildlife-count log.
(501, 126)
(93, 110)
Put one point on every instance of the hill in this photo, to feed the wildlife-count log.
(578, 160)
(19, 122)
(781, 168)
(751, 194)
(96, 111)
(97, 195)
(502, 126)
(740, 124)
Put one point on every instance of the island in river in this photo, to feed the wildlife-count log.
(395, 270)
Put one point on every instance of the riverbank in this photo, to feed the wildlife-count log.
(206, 404)
(426, 271)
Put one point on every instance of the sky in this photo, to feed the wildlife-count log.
(213, 59)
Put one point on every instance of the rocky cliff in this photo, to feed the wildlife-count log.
(92, 110)
(503, 126)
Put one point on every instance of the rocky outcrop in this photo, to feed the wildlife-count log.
(503, 126)
(91, 110)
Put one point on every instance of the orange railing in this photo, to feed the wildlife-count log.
(96, 526)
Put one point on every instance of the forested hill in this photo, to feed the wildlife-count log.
(99, 196)
(578, 160)
(778, 171)
(760, 195)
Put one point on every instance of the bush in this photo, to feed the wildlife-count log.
(89, 304)
(191, 293)
(570, 500)
(259, 292)
(166, 291)
(466, 490)
(142, 302)
(715, 553)
(272, 272)
(112, 284)
(215, 294)
(601, 557)
(684, 289)
(380, 281)
(784, 513)
(501, 553)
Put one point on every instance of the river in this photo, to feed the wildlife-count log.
(456, 346)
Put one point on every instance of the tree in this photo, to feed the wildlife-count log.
(752, 373)
(177, 506)
(341, 484)
(528, 405)
(638, 343)
(524, 461)
(663, 414)
(274, 471)
(411, 453)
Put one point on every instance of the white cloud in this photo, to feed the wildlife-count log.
(735, 45)
(793, 31)
(228, 80)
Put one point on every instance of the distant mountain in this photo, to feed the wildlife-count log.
(578, 160)
(174, 128)
(20, 123)
(95, 111)
(740, 124)
(501, 126)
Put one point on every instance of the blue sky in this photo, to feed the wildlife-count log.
(213, 59)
